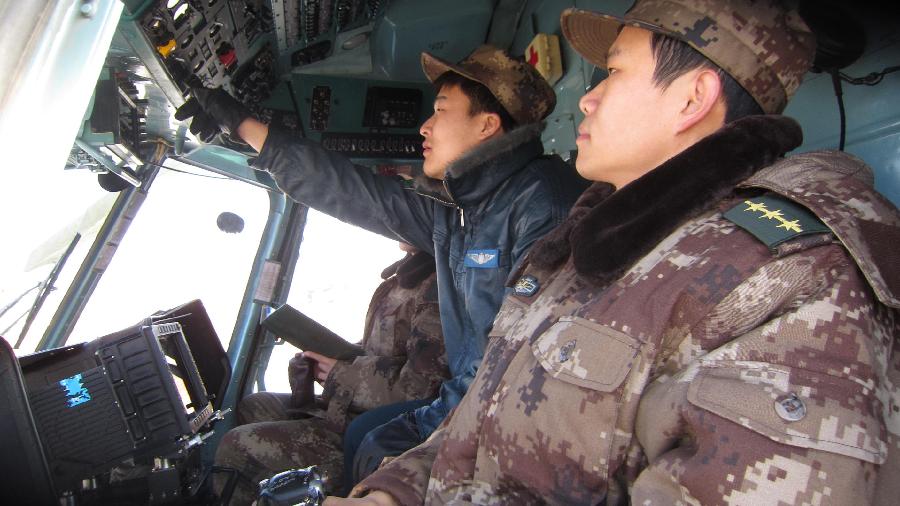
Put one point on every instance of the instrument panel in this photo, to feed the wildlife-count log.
(260, 52)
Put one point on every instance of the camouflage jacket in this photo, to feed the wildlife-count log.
(667, 355)
(404, 346)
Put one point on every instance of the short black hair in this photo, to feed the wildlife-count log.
(674, 58)
(480, 97)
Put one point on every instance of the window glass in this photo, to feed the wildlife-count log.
(174, 252)
(338, 270)
(41, 215)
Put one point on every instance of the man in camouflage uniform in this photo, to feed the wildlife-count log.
(716, 326)
(404, 361)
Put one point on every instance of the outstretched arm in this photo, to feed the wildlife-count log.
(323, 180)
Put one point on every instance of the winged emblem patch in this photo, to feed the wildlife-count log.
(482, 258)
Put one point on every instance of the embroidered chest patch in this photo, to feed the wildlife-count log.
(482, 258)
(774, 220)
(526, 286)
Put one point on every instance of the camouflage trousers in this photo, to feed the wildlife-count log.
(269, 441)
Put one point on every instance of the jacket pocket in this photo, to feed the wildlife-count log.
(584, 353)
(564, 407)
(795, 407)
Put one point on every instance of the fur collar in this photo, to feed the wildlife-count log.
(607, 232)
(478, 171)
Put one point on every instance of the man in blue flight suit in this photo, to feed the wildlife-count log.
(488, 194)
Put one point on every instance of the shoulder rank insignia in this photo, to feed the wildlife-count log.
(774, 219)
(526, 286)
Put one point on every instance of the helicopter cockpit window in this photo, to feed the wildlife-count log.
(338, 271)
(181, 246)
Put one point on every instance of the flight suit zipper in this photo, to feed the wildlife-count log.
(462, 214)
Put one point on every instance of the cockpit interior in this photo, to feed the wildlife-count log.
(347, 74)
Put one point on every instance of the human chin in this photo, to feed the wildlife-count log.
(585, 165)
(433, 169)
(583, 171)
(592, 170)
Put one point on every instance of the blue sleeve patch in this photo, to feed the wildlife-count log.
(482, 258)
(76, 392)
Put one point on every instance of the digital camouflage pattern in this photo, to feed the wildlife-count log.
(263, 448)
(714, 371)
(518, 86)
(404, 360)
(763, 46)
(411, 365)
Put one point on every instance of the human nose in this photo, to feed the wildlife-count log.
(588, 103)
(425, 129)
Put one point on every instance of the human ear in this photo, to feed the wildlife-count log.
(490, 125)
(702, 100)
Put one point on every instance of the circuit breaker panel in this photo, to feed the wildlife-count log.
(260, 52)
(221, 42)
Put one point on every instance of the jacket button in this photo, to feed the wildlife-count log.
(566, 351)
(790, 407)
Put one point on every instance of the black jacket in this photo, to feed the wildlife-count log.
(494, 202)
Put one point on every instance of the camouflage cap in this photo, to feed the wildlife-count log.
(764, 46)
(519, 88)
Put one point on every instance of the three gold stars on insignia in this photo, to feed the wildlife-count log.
(791, 226)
